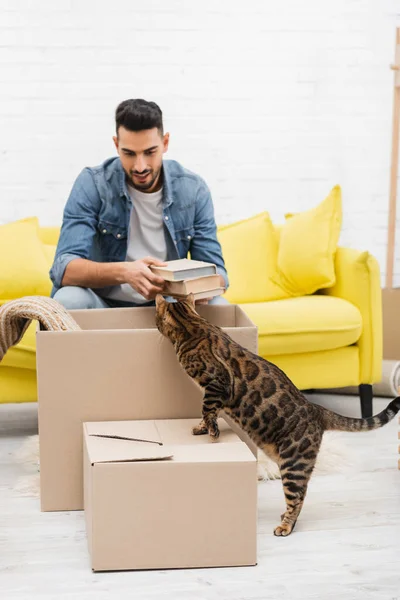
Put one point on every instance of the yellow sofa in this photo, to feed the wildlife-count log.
(18, 367)
(331, 338)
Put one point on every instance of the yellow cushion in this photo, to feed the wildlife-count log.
(49, 252)
(305, 324)
(23, 265)
(33, 220)
(307, 247)
(49, 235)
(249, 248)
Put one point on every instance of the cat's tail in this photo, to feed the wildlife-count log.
(336, 422)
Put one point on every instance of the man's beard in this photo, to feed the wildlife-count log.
(148, 184)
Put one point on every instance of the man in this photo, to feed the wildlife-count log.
(130, 212)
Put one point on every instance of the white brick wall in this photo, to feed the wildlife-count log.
(271, 102)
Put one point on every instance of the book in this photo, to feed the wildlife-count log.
(199, 295)
(184, 268)
(199, 284)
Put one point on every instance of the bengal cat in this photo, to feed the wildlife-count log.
(258, 396)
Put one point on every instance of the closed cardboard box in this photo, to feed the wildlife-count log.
(167, 499)
(118, 367)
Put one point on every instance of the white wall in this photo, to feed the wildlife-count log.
(271, 102)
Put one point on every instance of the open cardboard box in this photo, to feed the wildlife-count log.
(118, 367)
(164, 498)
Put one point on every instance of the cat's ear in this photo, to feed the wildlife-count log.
(160, 302)
(190, 300)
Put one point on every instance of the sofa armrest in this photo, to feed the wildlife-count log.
(358, 281)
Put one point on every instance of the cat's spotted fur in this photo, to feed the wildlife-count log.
(258, 396)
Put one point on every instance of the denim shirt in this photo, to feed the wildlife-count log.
(97, 216)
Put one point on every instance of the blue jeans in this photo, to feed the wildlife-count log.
(74, 297)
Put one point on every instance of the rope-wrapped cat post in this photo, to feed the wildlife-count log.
(16, 316)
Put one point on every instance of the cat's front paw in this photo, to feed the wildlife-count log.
(200, 429)
(215, 437)
(213, 430)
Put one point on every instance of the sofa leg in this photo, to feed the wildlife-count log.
(366, 400)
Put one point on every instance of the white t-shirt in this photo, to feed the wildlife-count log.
(146, 237)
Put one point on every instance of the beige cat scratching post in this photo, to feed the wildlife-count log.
(391, 295)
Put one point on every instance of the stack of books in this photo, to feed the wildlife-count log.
(184, 276)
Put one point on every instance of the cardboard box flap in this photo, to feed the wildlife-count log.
(179, 431)
(124, 441)
(210, 452)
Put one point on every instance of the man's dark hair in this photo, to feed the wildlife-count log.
(136, 115)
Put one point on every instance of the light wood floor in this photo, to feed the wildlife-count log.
(346, 544)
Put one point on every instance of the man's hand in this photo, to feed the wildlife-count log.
(142, 279)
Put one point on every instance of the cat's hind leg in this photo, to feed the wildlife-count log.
(295, 473)
(200, 429)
